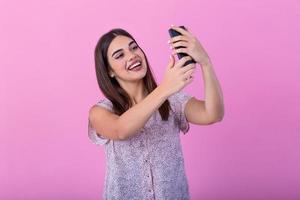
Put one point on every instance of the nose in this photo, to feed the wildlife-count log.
(131, 56)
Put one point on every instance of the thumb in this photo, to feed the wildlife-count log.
(171, 62)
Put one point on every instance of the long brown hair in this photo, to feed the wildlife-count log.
(110, 86)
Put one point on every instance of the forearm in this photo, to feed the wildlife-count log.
(136, 117)
(213, 94)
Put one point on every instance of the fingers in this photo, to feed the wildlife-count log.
(189, 74)
(180, 50)
(180, 44)
(178, 38)
(171, 62)
(181, 30)
(182, 61)
(187, 68)
(189, 80)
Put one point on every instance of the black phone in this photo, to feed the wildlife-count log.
(174, 33)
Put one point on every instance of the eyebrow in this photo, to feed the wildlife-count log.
(122, 49)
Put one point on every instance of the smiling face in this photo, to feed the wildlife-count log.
(126, 59)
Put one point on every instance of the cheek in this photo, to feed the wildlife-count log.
(141, 53)
(118, 65)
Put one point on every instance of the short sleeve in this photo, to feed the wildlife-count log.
(92, 134)
(182, 98)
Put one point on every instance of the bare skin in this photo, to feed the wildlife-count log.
(130, 81)
(176, 77)
(204, 112)
(210, 110)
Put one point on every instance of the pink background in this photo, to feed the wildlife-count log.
(48, 84)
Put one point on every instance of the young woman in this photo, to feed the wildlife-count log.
(139, 121)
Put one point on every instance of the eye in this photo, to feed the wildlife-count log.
(119, 56)
(135, 47)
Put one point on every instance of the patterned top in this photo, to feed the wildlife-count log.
(150, 164)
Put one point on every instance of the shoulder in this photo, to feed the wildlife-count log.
(97, 112)
(180, 95)
(179, 99)
(103, 104)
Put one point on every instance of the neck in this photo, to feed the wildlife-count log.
(136, 91)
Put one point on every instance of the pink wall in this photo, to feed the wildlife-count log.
(48, 83)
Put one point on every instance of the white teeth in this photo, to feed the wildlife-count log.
(134, 65)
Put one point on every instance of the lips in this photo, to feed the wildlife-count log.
(134, 63)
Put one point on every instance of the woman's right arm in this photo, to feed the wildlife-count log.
(122, 127)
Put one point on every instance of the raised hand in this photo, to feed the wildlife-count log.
(190, 44)
(176, 77)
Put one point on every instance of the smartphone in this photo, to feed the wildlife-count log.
(174, 33)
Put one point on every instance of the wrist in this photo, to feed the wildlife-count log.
(205, 63)
(162, 91)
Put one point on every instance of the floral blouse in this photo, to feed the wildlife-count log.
(150, 164)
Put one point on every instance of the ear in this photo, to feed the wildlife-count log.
(111, 74)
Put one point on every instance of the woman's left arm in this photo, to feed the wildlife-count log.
(197, 111)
